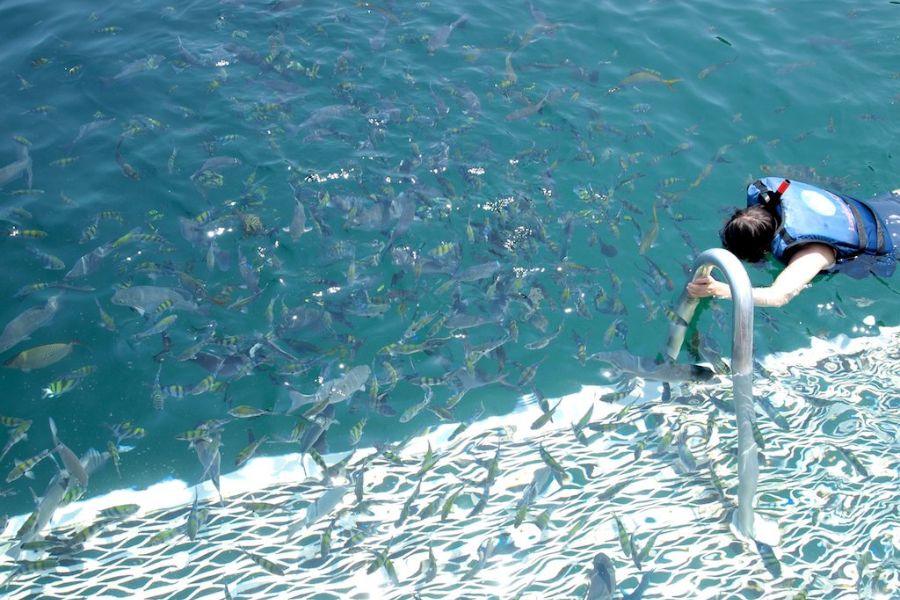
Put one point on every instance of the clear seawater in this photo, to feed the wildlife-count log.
(414, 161)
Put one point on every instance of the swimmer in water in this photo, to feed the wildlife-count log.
(810, 230)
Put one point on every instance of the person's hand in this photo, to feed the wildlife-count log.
(702, 287)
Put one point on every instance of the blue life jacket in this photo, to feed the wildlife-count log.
(807, 213)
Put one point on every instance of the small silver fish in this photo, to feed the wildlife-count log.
(147, 298)
(321, 507)
(528, 110)
(649, 369)
(217, 163)
(27, 322)
(334, 391)
(17, 168)
(298, 222)
(439, 38)
(207, 449)
(90, 262)
(72, 463)
(147, 63)
(91, 127)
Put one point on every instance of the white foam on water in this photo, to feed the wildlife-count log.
(820, 348)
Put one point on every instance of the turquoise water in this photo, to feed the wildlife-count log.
(537, 146)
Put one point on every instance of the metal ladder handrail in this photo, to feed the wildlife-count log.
(741, 368)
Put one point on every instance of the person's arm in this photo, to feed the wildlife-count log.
(806, 263)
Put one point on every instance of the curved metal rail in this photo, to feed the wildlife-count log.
(741, 368)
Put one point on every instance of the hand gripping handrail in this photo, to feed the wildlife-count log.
(741, 368)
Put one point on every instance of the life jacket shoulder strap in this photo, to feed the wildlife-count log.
(860, 226)
(880, 239)
(771, 195)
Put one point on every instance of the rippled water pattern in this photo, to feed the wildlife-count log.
(458, 204)
(829, 510)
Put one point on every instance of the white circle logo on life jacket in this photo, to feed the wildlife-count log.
(818, 202)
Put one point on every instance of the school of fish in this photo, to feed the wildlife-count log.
(319, 279)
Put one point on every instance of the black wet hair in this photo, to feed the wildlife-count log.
(748, 233)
